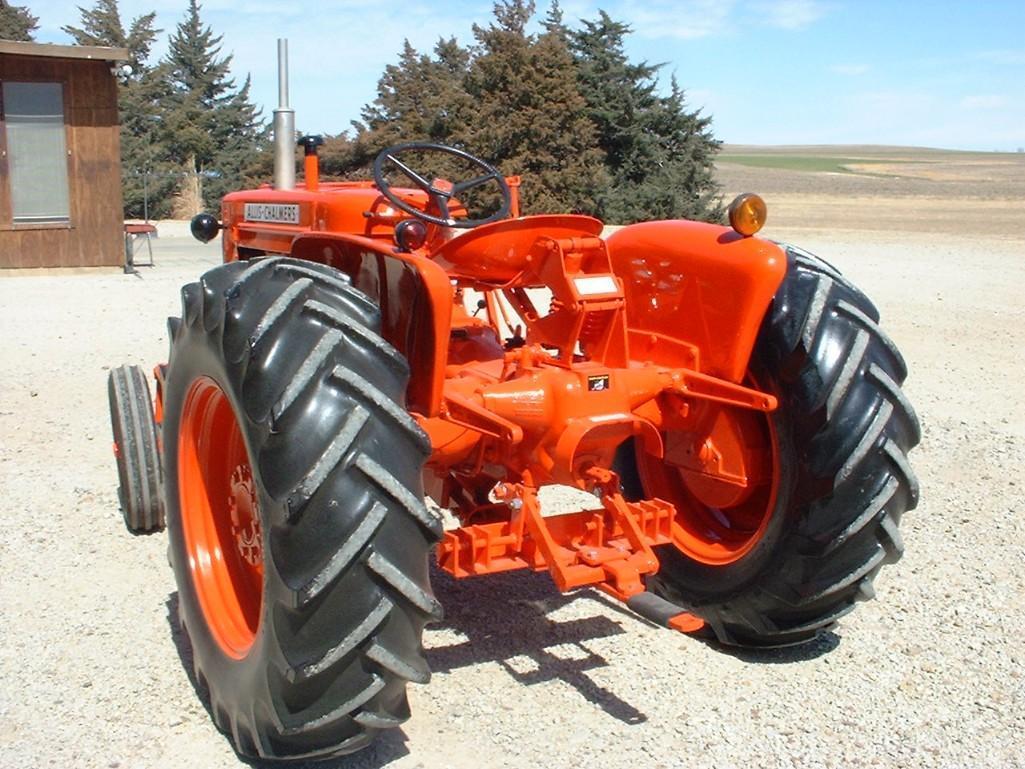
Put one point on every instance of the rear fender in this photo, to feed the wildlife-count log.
(695, 293)
(415, 297)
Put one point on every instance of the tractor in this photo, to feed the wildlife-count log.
(729, 405)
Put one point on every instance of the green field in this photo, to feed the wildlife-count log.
(820, 163)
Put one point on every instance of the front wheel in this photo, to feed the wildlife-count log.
(299, 536)
(136, 449)
(784, 520)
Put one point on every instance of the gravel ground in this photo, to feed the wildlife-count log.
(929, 675)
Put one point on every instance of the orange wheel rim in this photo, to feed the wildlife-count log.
(220, 517)
(723, 481)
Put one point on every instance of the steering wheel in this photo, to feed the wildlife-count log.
(440, 191)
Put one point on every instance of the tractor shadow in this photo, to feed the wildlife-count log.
(388, 746)
(504, 619)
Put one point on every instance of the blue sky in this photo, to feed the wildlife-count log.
(936, 74)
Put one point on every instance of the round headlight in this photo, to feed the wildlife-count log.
(204, 227)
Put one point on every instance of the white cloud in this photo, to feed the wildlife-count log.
(334, 63)
(790, 14)
(913, 116)
(686, 20)
(693, 19)
(961, 98)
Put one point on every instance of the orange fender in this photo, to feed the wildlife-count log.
(696, 293)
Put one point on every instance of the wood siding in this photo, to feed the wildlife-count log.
(94, 236)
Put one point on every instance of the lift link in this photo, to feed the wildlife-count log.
(623, 575)
(612, 551)
(610, 548)
(607, 482)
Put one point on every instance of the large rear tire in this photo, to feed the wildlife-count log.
(781, 561)
(299, 536)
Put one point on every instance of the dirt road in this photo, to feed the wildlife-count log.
(929, 675)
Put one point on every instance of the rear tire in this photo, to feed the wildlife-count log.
(307, 629)
(842, 481)
(135, 449)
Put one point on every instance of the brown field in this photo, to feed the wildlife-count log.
(886, 189)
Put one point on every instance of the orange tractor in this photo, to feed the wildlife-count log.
(730, 405)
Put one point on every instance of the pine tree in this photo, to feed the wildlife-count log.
(101, 25)
(339, 158)
(422, 98)
(530, 114)
(587, 128)
(17, 23)
(145, 181)
(208, 125)
(554, 21)
(659, 156)
(686, 186)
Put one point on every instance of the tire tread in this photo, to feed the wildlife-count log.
(139, 466)
(349, 592)
(842, 377)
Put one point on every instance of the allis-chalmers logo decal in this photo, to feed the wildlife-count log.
(272, 212)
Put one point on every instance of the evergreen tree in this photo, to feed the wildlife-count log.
(423, 98)
(339, 158)
(659, 156)
(512, 99)
(17, 23)
(101, 25)
(685, 187)
(554, 21)
(146, 181)
(208, 126)
(530, 114)
(586, 127)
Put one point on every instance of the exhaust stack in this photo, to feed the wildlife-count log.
(284, 126)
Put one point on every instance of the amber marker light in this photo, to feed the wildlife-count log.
(747, 214)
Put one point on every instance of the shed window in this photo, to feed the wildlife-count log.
(37, 158)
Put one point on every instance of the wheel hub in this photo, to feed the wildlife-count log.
(722, 479)
(244, 508)
(220, 517)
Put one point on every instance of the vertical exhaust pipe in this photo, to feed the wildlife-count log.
(284, 126)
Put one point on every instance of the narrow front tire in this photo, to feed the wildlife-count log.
(135, 450)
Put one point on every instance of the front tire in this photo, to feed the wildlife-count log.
(299, 537)
(135, 449)
(807, 542)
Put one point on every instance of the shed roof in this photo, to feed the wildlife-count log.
(49, 50)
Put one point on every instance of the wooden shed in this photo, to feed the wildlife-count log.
(60, 156)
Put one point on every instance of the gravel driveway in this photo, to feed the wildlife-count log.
(929, 675)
